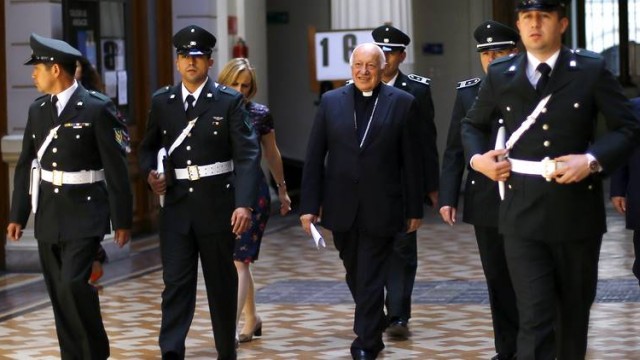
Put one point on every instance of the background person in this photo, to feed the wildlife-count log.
(552, 221)
(481, 198)
(239, 75)
(625, 195)
(371, 161)
(404, 260)
(79, 142)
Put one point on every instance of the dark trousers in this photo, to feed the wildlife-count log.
(502, 298)
(636, 251)
(403, 265)
(365, 259)
(180, 275)
(555, 284)
(66, 266)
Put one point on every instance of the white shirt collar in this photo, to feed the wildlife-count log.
(64, 96)
(392, 82)
(532, 64)
(196, 94)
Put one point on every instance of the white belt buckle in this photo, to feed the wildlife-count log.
(57, 177)
(194, 173)
(548, 167)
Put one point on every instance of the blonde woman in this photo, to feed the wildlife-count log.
(239, 75)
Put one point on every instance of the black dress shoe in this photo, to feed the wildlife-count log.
(361, 354)
(398, 329)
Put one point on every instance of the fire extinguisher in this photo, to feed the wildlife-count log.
(240, 49)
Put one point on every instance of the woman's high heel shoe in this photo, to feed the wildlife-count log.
(257, 331)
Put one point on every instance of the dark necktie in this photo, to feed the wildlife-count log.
(54, 108)
(190, 110)
(544, 70)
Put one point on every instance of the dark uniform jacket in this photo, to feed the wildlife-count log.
(625, 182)
(420, 88)
(481, 197)
(91, 137)
(363, 182)
(222, 133)
(581, 86)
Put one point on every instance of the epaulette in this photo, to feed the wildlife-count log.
(420, 79)
(502, 59)
(227, 90)
(99, 95)
(348, 82)
(587, 53)
(162, 90)
(468, 83)
(41, 97)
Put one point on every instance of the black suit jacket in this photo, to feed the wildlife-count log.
(625, 182)
(222, 132)
(91, 137)
(481, 197)
(365, 183)
(581, 87)
(420, 88)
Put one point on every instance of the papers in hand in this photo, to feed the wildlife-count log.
(500, 144)
(317, 237)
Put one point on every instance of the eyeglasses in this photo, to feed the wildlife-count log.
(368, 67)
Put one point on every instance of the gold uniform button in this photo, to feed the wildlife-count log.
(215, 133)
(88, 198)
(473, 182)
(545, 127)
(56, 190)
(508, 108)
(54, 164)
(190, 189)
(509, 186)
(55, 150)
(546, 143)
(188, 162)
(590, 187)
(77, 136)
(189, 148)
(544, 110)
(576, 105)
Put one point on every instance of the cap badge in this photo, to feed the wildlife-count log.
(386, 40)
(489, 39)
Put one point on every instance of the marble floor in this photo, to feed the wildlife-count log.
(306, 308)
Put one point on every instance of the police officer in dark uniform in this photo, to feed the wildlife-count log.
(404, 260)
(209, 157)
(481, 198)
(73, 163)
(552, 216)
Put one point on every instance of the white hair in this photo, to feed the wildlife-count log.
(381, 58)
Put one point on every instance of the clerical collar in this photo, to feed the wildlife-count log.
(368, 94)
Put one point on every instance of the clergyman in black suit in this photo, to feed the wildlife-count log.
(481, 198)
(209, 183)
(625, 195)
(76, 143)
(552, 216)
(404, 261)
(370, 187)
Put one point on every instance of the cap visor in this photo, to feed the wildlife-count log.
(31, 61)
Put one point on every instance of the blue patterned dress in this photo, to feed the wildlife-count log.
(248, 246)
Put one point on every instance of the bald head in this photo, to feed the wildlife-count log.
(367, 62)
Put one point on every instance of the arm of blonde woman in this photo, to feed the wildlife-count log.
(274, 160)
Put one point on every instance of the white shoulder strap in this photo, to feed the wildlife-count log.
(46, 142)
(182, 136)
(531, 119)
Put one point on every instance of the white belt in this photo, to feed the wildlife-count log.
(60, 178)
(195, 172)
(544, 168)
